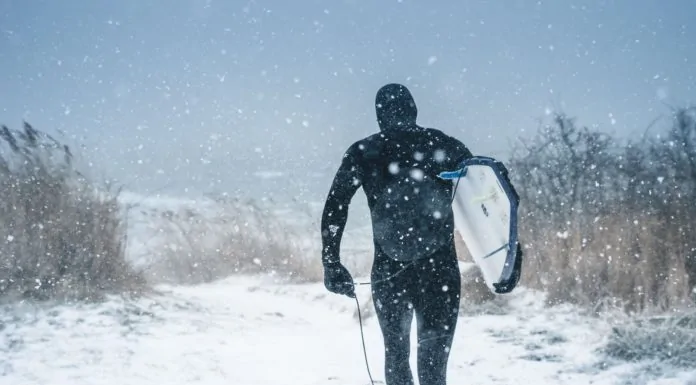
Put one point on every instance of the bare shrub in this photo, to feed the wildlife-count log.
(603, 221)
(674, 158)
(61, 237)
(238, 238)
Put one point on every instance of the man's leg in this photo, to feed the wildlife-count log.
(395, 314)
(437, 307)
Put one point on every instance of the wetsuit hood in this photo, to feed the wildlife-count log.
(395, 107)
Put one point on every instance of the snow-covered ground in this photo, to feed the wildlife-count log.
(255, 331)
(252, 331)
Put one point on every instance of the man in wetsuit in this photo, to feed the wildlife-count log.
(415, 267)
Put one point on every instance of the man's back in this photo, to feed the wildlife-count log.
(410, 206)
(397, 168)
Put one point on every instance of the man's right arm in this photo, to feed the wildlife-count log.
(346, 182)
(460, 152)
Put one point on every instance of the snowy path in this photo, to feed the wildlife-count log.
(244, 332)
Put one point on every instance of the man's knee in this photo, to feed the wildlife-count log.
(435, 339)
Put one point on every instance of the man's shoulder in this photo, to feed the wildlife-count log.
(442, 136)
(366, 145)
(372, 146)
(454, 150)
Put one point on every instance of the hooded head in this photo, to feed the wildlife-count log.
(395, 107)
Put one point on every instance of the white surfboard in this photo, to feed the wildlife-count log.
(485, 214)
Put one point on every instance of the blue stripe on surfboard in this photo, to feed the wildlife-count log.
(453, 174)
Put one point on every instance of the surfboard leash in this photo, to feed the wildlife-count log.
(403, 268)
(362, 336)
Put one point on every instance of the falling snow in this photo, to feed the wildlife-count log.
(394, 168)
(255, 103)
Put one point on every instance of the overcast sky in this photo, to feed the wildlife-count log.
(263, 97)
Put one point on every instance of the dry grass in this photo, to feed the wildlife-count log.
(60, 237)
(619, 260)
(240, 238)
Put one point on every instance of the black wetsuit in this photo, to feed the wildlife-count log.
(415, 269)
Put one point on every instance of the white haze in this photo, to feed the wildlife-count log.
(261, 98)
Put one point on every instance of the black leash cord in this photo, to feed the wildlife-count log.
(362, 336)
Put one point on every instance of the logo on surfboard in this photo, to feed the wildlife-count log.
(485, 210)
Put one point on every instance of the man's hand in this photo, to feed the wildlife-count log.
(338, 280)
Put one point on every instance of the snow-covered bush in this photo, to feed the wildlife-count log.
(61, 237)
(667, 339)
(603, 220)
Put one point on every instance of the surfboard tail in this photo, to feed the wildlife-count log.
(509, 282)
